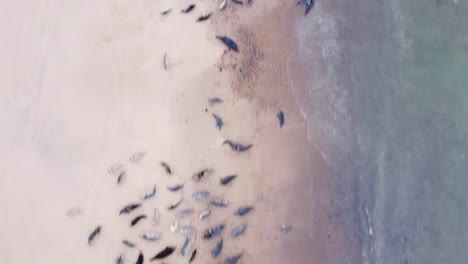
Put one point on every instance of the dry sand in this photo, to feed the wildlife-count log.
(83, 88)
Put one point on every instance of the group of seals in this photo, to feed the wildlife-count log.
(209, 233)
(187, 250)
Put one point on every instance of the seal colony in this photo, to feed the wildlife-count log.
(189, 248)
(214, 231)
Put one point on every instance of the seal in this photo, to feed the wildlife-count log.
(120, 260)
(223, 5)
(308, 5)
(165, 12)
(185, 212)
(166, 167)
(226, 180)
(194, 254)
(239, 230)
(217, 249)
(204, 214)
(150, 236)
(204, 17)
(137, 219)
(188, 229)
(149, 193)
(127, 209)
(137, 156)
(140, 259)
(233, 260)
(214, 231)
(188, 8)
(229, 42)
(243, 210)
(214, 100)
(202, 175)
(94, 234)
(174, 205)
(165, 61)
(219, 203)
(200, 195)
(156, 216)
(174, 226)
(186, 247)
(164, 253)
(121, 177)
(175, 188)
(128, 243)
(237, 147)
(219, 121)
(280, 116)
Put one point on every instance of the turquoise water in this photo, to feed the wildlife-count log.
(386, 99)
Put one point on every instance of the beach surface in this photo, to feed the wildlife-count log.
(84, 88)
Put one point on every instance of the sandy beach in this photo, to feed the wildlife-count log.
(84, 88)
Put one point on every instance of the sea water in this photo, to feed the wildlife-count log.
(383, 87)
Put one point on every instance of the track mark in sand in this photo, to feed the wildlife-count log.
(47, 26)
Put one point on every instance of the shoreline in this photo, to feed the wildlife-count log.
(307, 203)
(313, 50)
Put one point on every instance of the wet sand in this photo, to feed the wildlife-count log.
(304, 192)
(86, 88)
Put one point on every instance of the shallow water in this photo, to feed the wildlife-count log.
(383, 86)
